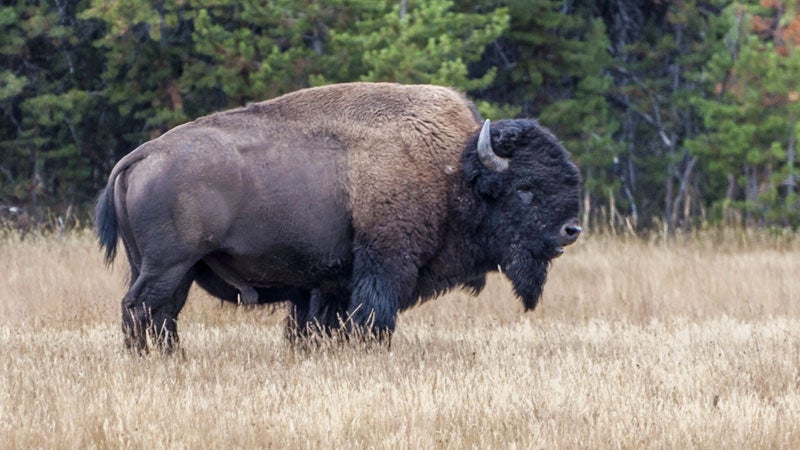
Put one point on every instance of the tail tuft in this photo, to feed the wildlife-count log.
(105, 223)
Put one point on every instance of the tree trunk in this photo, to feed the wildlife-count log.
(612, 212)
(727, 214)
(790, 156)
(630, 187)
(587, 201)
(668, 196)
(751, 193)
(682, 194)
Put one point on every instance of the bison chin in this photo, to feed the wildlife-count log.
(528, 275)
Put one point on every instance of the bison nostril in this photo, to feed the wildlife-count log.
(572, 230)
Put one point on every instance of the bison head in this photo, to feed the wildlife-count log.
(529, 195)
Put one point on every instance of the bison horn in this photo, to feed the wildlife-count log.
(488, 157)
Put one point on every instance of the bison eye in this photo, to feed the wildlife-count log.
(525, 195)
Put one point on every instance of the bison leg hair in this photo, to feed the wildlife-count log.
(379, 288)
(167, 336)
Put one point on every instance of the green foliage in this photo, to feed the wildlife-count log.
(583, 117)
(429, 43)
(553, 63)
(657, 76)
(252, 50)
(751, 123)
(47, 111)
(677, 112)
(11, 85)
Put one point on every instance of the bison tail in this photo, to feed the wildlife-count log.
(105, 222)
(105, 212)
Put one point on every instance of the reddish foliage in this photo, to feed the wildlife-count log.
(785, 34)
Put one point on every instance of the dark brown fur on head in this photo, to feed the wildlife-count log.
(523, 209)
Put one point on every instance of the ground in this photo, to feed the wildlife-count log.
(637, 343)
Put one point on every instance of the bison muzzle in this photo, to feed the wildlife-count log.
(352, 201)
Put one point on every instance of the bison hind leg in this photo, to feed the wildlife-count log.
(315, 315)
(150, 308)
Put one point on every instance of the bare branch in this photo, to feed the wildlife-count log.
(7, 173)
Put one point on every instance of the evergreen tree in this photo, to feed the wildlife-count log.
(672, 109)
(751, 118)
(658, 62)
(48, 131)
(168, 62)
(425, 41)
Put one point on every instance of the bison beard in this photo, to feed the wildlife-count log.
(528, 275)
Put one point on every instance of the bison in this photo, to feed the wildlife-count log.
(352, 201)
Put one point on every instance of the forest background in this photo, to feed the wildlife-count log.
(680, 113)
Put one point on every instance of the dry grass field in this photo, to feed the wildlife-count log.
(687, 343)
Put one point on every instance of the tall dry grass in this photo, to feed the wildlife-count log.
(682, 343)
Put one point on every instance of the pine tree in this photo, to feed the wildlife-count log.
(659, 55)
(168, 62)
(425, 41)
(751, 117)
(49, 113)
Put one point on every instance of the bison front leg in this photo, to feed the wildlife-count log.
(315, 314)
(380, 286)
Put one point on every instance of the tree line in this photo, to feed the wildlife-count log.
(680, 113)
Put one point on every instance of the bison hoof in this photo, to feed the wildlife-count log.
(144, 331)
